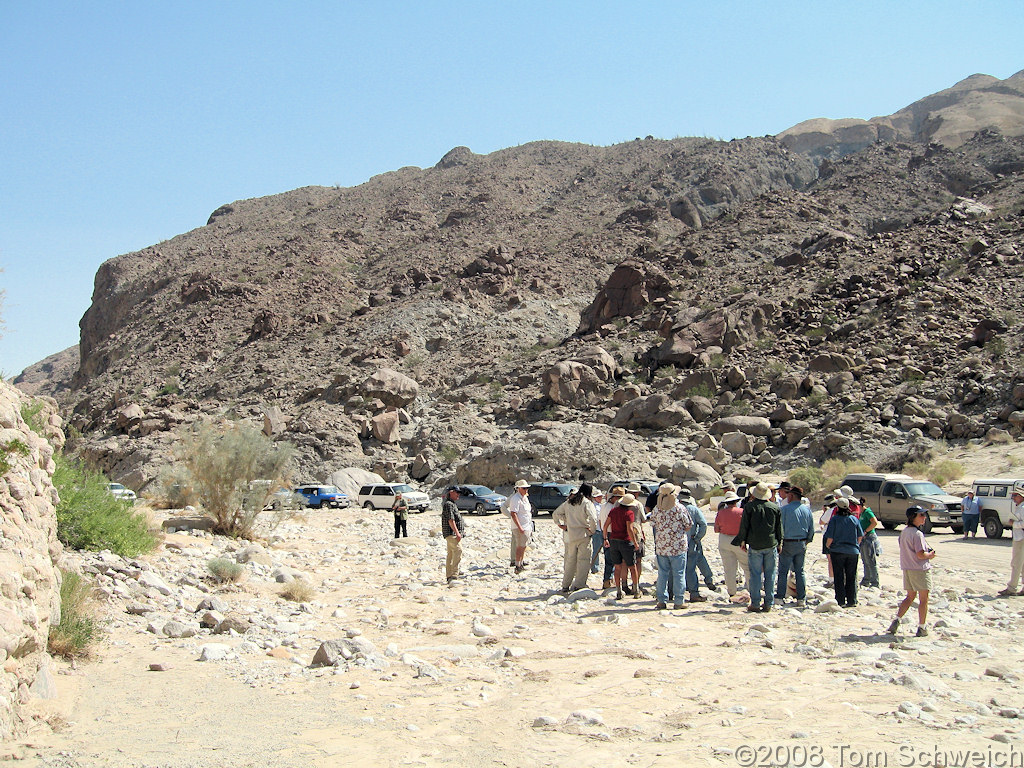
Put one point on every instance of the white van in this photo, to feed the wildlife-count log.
(993, 495)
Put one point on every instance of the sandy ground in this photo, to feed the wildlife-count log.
(585, 683)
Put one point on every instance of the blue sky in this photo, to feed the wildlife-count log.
(126, 123)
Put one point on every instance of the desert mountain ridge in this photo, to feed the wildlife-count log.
(688, 307)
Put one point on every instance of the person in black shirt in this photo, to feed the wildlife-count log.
(453, 529)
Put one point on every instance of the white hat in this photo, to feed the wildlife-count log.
(1018, 488)
(668, 490)
(634, 488)
(847, 491)
(628, 500)
(761, 491)
(731, 497)
(842, 503)
(522, 484)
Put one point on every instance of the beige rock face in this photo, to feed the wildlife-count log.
(29, 552)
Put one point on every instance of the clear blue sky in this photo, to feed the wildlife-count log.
(126, 123)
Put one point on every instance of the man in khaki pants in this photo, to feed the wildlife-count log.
(577, 518)
(452, 528)
(727, 525)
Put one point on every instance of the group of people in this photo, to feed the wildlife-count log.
(764, 532)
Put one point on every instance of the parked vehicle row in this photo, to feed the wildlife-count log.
(382, 496)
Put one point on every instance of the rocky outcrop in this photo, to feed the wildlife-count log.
(632, 285)
(29, 554)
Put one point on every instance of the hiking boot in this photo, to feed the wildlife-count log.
(766, 608)
(753, 609)
(696, 597)
(606, 584)
(678, 606)
(660, 607)
(922, 631)
(894, 627)
(801, 603)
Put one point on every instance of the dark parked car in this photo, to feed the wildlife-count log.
(478, 498)
(647, 487)
(546, 497)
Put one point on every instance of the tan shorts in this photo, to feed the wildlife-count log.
(917, 581)
(522, 539)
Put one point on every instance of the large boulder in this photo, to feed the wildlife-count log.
(600, 361)
(385, 426)
(571, 383)
(632, 285)
(748, 425)
(390, 387)
(696, 475)
(652, 412)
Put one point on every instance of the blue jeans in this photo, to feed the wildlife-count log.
(763, 563)
(971, 524)
(791, 558)
(869, 557)
(695, 559)
(597, 543)
(671, 567)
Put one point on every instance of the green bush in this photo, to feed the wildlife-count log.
(810, 479)
(30, 412)
(89, 517)
(224, 570)
(222, 464)
(77, 628)
(14, 447)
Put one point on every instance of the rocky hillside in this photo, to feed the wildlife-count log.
(572, 311)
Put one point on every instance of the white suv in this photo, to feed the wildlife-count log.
(993, 495)
(382, 496)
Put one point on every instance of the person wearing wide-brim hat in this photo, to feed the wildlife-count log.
(671, 522)
(760, 537)
(615, 493)
(1017, 547)
(597, 537)
(522, 522)
(727, 526)
(620, 537)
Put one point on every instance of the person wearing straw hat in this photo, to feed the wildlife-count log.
(1017, 547)
(522, 521)
(621, 539)
(672, 523)
(760, 537)
(727, 526)
(615, 493)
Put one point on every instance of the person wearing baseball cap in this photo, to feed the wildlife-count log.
(916, 562)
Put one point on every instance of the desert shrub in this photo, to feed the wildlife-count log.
(701, 390)
(175, 489)
(834, 470)
(221, 463)
(77, 629)
(939, 471)
(810, 479)
(224, 570)
(12, 448)
(298, 591)
(32, 414)
(89, 517)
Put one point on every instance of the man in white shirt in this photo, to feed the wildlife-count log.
(522, 521)
(1017, 553)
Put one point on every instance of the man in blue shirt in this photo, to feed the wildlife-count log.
(695, 550)
(797, 533)
(972, 514)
